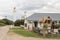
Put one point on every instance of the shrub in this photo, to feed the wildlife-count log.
(8, 22)
(19, 22)
(2, 24)
(22, 22)
(55, 26)
(2, 21)
(36, 30)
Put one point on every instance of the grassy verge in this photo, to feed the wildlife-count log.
(23, 32)
(2, 24)
(26, 33)
(53, 36)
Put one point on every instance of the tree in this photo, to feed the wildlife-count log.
(19, 22)
(45, 30)
(2, 21)
(55, 26)
(8, 22)
(22, 22)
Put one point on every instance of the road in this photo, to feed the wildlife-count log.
(12, 36)
(3, 31)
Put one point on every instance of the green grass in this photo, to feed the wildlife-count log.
(2, 24)
(54, 36)
(23, 32)
(26, 33)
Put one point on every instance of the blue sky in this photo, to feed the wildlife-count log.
(31, 6)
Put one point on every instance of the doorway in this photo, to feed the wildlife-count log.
(35, 23)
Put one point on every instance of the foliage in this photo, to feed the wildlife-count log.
(19, 22)
(45, 26)
(2, 24)
(53, 36)
(8, 22)
(36, 30)
(55, 26)
(2, 21)
(22, 22)
(24, 32)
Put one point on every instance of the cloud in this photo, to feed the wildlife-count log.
(32, 6)
(51, 6)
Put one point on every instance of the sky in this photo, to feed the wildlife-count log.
(30, 6)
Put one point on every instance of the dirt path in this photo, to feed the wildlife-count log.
(13, 36)
(3, 31)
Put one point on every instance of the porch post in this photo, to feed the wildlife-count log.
(38, 25)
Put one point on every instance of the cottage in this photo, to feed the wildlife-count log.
(39, 19)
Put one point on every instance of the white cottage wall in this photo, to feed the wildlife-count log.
(40, 25)
(30, 25)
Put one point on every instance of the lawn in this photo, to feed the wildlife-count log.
(26, 33)
(23, 32)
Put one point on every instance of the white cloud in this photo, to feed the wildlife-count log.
(32, 6)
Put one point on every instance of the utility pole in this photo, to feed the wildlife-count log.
(25, 21)
(24, 14)
(14, 14)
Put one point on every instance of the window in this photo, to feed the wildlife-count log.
(35, 23)
(48, 17)
(52, 22)
(46, 21)
(49, 21)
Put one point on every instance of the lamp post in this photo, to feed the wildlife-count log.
(14, 15)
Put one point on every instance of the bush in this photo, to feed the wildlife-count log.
(55, 26)
(19, 22)
(2, 21)
(2, 24)
(8, 22)
(22, 22)
(5, 22)
(36, 30)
